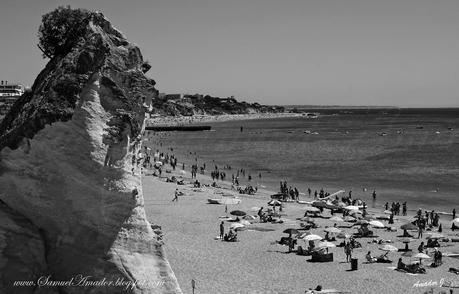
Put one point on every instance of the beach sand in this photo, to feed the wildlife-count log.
(256, 264)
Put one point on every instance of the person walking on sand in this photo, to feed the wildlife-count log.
(374, 194)
(176, 195)
(420, 228)
(348, 251)
(454, 213)
(222, 230)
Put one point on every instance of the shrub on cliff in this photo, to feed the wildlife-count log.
(61, 29)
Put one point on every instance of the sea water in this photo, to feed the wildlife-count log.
(408, 156)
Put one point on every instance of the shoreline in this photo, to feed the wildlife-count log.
(180, 120)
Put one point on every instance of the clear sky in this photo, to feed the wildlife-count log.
(320, 52)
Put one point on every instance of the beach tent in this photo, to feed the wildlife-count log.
(455, 221)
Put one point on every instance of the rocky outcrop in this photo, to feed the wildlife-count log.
(198, 104)
(71, 198)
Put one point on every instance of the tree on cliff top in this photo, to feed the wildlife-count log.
(61, 29)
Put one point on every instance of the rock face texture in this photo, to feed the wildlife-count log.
(71, 203)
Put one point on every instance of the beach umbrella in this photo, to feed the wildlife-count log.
(291, 231)
(351, 207)
(236, 226)
(312, 209)
(435, 236)
(274, 203)
(255, 208)
(376, 224)
(387, 212)
(312, 237)
(388, 247)
(421, 256)
(404, 240)
(183, 172)
(333, 230)
(237, 213)
(158, 163)
(336, 219)
(409, 227)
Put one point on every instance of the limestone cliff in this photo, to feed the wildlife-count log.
(71, 198)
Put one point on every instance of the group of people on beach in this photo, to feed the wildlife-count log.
(289, 192)
(395, 208)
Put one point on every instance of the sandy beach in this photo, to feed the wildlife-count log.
(256, 264)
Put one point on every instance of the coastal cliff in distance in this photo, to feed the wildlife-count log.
(71, 198)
